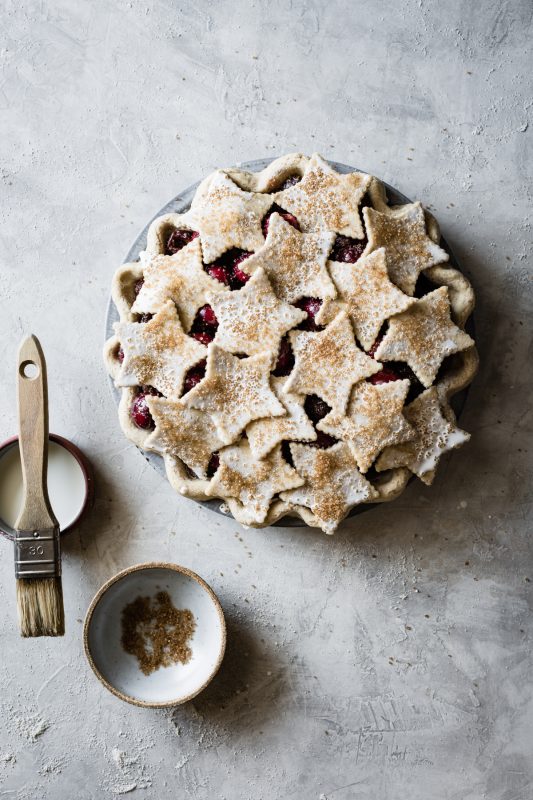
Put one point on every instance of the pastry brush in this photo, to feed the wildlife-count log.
(37, 546)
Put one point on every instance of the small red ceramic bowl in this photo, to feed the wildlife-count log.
(70, 483)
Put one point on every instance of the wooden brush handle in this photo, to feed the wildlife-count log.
(36, 513)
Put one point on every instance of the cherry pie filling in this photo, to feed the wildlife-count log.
(139, 411)
(285, 361)
(290, 218)
(204, 326)
(395, 371)
(227, 268)
(316, 409)
(178, 239)
(194, 376)
(213, 465)
(347, 250)
(311, 306)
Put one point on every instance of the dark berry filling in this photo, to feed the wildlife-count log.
(311, 306)
(151, 390)
(316, 408)
(290, 218)
(194, 376)
(347, 250)
(239, 277)
(145, 317)
(394, 371)
(218, 272)
(120, 355)
(178, 239)
(285, 361)
(227, 270)
(208, 316)
(323, 440)
(385, 375)
(204, 326)
(204, 337)
(379, 339)
(214, 463)
(139, 411)
(137, 286)
(286, 453)
(423, 286)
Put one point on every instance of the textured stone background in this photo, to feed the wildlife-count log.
(393, 660)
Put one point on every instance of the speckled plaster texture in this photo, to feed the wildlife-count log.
(393, 660)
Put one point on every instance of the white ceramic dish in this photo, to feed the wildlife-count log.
(119, 671)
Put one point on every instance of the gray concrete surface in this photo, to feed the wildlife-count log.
(393, 660)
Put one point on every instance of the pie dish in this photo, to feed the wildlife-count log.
(291, 343)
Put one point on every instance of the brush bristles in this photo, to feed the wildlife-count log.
(40, 607)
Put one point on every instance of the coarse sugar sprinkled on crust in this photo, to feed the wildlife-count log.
(294, 262)
(302, 317)
(423, 336)
(435, 435)
(408, 247)
(373, 420)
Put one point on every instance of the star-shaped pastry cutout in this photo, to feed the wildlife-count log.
(181, 278)
(235, 391)
(373, 420)
(423, 336)
(325, 198)
(328, 363)
(402, 232)
(227, 217)
(265, 434)
(252, 481)
(157, 353)
(333, 484)
(295, 262)
(253, 320)
(434, 436)
(369, 295)
(183, 433)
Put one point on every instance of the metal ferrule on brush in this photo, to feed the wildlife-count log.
(37, 554)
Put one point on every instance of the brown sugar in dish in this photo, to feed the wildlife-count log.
(156, 632)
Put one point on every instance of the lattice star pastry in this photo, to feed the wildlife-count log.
(333, 484)
(184, 433)
(180, 278)
(373, 421)
(157, 352)
(254, 319)
(295, 426)
(370, 296)
(409, 249)
(434, 436)
(328, 363)
(326, 200)
(290, 343)
(251, 481)
(227, 217)
(295, 262)
(423, 336)
(235, 391)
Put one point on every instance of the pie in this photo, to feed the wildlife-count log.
(290, 343)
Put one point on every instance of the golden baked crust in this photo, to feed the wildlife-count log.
(400, 243)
